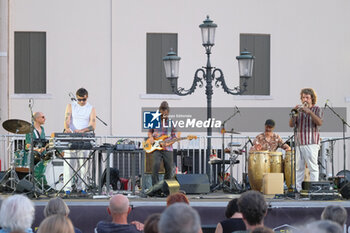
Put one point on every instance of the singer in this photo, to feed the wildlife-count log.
(268, 140)
(307, 120)
(80, 117)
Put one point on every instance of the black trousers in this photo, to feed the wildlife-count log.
(167, 157)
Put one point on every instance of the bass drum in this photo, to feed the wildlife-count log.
(50, 173)
(258, 165)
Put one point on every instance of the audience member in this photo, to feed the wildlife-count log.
(234, 220)
(177, 197)
(119, 210)
(58, 206)
(56, 223)
(262, 230)
(16, 214)
(151, 223)
(179, 218)
(322, 226)
(336, 214)
(253, 207)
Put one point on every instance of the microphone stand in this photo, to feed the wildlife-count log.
(292, 188)
(222, 184)
(31, 156)
(344, 127)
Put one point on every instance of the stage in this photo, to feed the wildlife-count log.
(86, 212)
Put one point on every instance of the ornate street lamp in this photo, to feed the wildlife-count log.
(208, 73)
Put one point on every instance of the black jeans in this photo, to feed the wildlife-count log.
(167, 157)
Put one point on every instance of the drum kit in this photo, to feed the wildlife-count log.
(47, 172)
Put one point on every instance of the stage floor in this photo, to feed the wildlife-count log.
(211, 207)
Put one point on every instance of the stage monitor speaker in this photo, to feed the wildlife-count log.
(345, 191)
(24, 186)
(193, 183)
(164, 188)
(317, 186)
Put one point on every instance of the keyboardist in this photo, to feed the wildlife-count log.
(80, 117)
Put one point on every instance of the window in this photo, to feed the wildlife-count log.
(259, 46)
(158, 46)
(30, 62)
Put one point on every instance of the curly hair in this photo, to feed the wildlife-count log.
(253, 207)
(311, 92)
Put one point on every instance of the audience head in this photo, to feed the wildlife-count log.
(253, 207)
(322, 226)
(56, 206)
(17, 213)
(262, 230)
(151, 223)
(336, 214)
(231, 208)
(176, 198)
(179, 218)
(118, 205)
(56, 224)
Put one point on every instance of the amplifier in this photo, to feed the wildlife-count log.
(317, 186)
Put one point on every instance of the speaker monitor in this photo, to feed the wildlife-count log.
(26, 186)
(193, 183)
(164, 188)
(345, 191)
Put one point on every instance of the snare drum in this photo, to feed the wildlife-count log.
(276, 161)
(50, 173)
(258, 164)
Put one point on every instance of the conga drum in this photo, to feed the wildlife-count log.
(276, 161)
(258, 164)
(287, 168)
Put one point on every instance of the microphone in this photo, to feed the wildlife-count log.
(326, 104)
(237, 110)
(31, 103)
(72, 97)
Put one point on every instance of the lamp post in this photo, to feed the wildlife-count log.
(208, 74)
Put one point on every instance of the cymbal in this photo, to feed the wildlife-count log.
(17, 126)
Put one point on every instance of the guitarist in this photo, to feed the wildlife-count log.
(167, 153)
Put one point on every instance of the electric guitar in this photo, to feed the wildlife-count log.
(158, 142)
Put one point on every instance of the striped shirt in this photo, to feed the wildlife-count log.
(307, 131)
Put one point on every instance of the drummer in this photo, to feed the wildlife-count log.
(38, 132)
(268, 140)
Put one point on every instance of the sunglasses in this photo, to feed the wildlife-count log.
(82, 100)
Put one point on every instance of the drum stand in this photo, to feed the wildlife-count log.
(34, 191)
(292, 191)
(11, 175)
